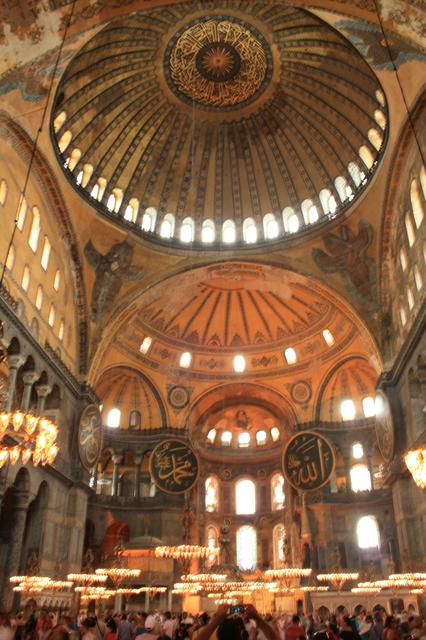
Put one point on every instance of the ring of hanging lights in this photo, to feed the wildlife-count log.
(31, 436)
(37, 584)
(186, 552)
(337, 579)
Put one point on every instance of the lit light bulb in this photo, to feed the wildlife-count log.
(14, 455)
(4, 455)
(18, 419)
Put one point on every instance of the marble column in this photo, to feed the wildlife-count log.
(43, 391)
(15, 546)
(116, 458)
(370, 468)
(137, 460)
(29, 377)
(14, 362)
(347, 463)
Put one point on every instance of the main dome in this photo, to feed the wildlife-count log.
(219, 123)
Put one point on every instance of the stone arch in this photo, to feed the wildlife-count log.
(20, 140)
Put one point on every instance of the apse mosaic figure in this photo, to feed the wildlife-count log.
(308, 460)
(174, 466)
(112, 269)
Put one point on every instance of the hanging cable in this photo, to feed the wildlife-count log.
(395, 68)
(36, 139)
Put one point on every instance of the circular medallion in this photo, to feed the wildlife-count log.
(174, 466)
(178, 397)
(308, 460)
(218, 63)
(384, 426)
(90, 436)
(301, 392)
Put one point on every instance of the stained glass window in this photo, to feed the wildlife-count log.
(246, 548)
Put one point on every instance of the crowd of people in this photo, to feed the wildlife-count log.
(227, 623)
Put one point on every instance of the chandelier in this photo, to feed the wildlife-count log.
(186, 552)
(87, 579)
(37, 584)
(415, 459)
(337, 579)
(30, 436)
(118, 575)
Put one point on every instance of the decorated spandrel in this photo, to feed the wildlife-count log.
(174, 466)
(308, 460)
(90, 436)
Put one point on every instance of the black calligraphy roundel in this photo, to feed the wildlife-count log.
(90, 436)
(308, 460)
(174, 466)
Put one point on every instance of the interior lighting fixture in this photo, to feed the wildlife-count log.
(415, 459)
(337, 579)
(185, 551)
(29, 436)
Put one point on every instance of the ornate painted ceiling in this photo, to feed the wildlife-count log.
(228, 112)
(219, 311)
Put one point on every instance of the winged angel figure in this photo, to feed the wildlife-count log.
(111, 269)
(347, 254)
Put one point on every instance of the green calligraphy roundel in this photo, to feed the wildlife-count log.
(174, 466)
(308, 460)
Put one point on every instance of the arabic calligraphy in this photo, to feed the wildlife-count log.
(308, 460)
(174, 466)
(90, 436)
(218, 62)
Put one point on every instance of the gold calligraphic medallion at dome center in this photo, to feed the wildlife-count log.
(174, 466)
(218, 63)
(308, 460)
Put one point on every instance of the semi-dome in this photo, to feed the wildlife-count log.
(219, 123)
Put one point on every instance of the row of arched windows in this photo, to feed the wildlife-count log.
(412, 259)
(289, 221)
(34, 243)
(244, 439)
(245, 495)
(113, 419)
(367, 533)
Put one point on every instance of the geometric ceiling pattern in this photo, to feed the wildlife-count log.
(218, 311)
(225, 112)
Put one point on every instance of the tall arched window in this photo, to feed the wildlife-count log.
(367, 532)
(25, 283)
(366, 156)
(51, 318)
(39, 297)
(228, 232)
(22, 212)
(416, 203)
(355, 173)
(278, 537)
(73, 160)
(207, 231)
(45, 256)
(59, 120)
(360, 478)
(35, 230)
(149, 219)
(212, 494)
(270, 226)
(3, 192)
(324, 196)
(131, 211)
(290, 220)
(249, 231)
(10, 260)
(64, 141)
(411, 236)
(246, 548)
(57, 280)
(114, 417)
(212, 543)
(135, 419)
(341, 184)
(61, 330)
(277, 491)
(376, 138)
(245, 497)
(187, 230)
(347, 409)
(167, 228)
